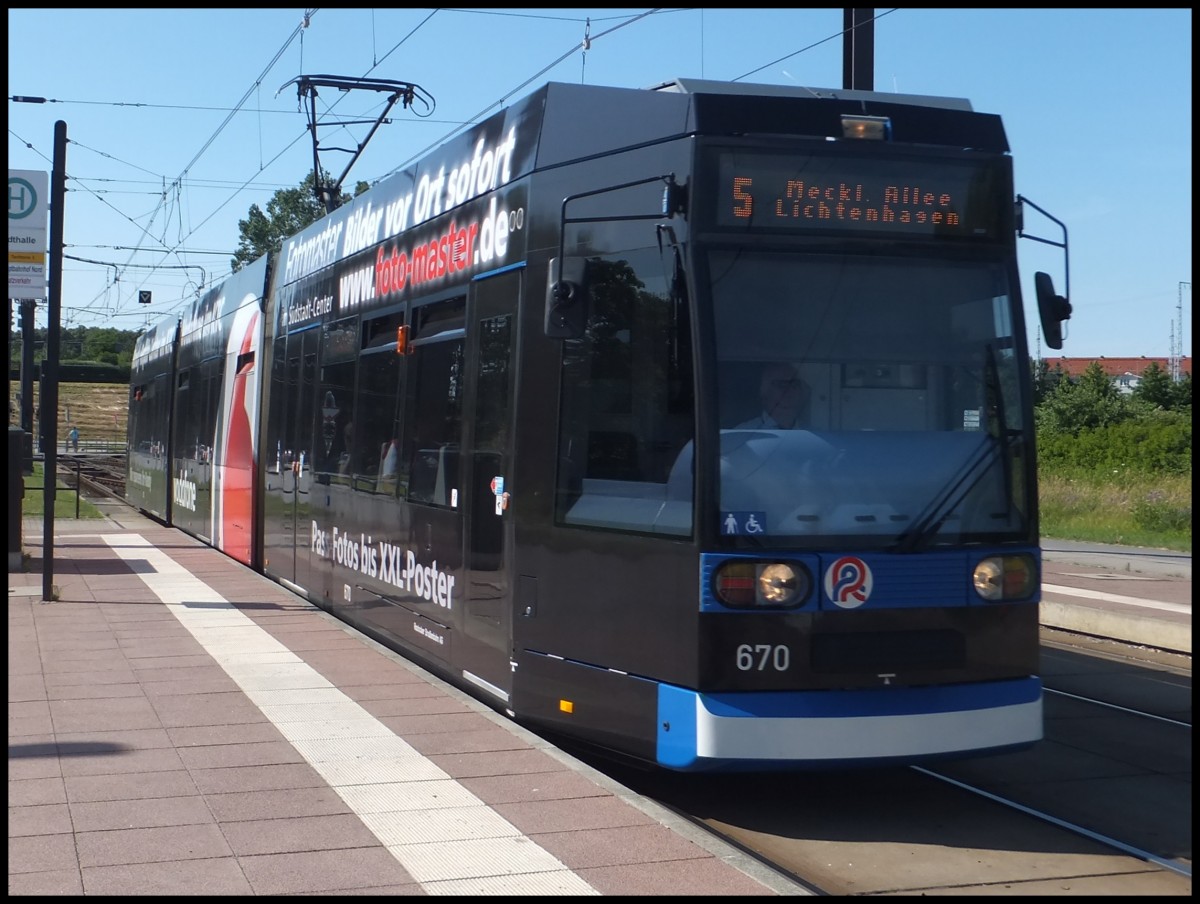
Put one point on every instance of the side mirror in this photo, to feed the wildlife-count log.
(566, 298)
(1052, 308)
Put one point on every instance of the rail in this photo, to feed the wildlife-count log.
(101, 446)
(97, 474)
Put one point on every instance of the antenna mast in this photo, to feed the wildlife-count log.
(1177, 337)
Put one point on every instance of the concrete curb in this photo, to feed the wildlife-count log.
(1150, 632)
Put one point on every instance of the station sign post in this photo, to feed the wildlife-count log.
(28, 209)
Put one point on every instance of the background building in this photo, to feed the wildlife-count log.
(1126, 373)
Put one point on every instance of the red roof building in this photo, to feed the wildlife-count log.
(1125, 372)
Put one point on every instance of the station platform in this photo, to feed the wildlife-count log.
(181, 725)
(1130, 594)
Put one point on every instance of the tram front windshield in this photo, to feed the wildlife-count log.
(867, 399)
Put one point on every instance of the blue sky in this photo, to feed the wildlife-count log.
(1096, 104)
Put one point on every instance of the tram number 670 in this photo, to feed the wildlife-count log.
(763, 656)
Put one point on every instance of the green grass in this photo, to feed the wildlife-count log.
(1129, 510)
(33, 505)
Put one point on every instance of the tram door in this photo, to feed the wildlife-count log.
(305, 453)
(287, 535)
(486, 643)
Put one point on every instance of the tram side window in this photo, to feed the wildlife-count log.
(436, 375)
(335, 398)
(307, 442)
(160, 392)
(375, 457)
(627, 402)
(139, 409)
(188, 407)
(279, 454)
(210, 402)
(148, 411)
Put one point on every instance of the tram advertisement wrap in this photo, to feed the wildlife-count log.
(474, 166)
(394, 565)
(482, 236)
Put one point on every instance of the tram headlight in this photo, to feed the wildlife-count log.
(1005, 577)
(742, 584)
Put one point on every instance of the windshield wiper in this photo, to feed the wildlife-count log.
(999, 441)
(942, 507)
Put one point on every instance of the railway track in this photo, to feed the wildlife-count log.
(99, 475)
(1100, 806)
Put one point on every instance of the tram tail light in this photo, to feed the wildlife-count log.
(746, 584)
(1005, 578)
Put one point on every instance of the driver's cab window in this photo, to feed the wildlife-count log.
(627, 401)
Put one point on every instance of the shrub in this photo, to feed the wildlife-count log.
(1161, 444)
(1156, 512)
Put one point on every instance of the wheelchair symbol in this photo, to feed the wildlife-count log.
(743, 523)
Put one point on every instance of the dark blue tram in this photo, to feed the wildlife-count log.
(694, 423)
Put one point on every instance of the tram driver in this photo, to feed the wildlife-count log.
(784, 397)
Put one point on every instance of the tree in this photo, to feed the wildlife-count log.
(1154, 387)
(288, 211)
(1045, 380)
(1090, 402)
(82, 345)
(107, 345)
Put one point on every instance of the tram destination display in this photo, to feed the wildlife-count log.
(909, 197)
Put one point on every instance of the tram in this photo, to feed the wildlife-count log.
(693, 423)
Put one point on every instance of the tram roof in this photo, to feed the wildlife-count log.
(561, 123)
(709, 86)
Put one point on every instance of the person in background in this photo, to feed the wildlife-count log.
(389, 454)
(73, 439)
(784, 398)
(389, 462)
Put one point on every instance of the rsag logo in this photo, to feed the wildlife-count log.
(848, 582)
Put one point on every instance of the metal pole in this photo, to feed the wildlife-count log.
(28, 337)
(26, 384)
(58, 195)
(858, 48)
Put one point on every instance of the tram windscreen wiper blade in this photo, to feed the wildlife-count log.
(997, 441)
(934, 516)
